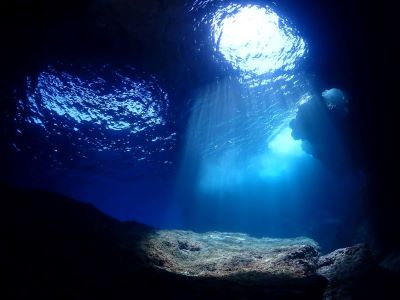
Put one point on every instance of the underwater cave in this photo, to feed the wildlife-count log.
(198, 149)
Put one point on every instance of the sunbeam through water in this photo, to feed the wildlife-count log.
(239, 126)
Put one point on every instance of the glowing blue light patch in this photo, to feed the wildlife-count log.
(283, 144)
(255, 39)
(242, 138)
(223, 174)
(282, 153)
(229, 172)
(270, 166)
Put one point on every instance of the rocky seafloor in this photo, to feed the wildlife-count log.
(220, 254)
(52, 247)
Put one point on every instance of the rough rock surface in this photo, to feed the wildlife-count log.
(57, 248)
(345, 270)
(218, 254)
(52, 247)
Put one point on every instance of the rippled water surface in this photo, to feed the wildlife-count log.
(256, 40)
(98, 109)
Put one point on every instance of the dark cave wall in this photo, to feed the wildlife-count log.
(361, 61)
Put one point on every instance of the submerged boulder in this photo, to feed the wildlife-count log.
(346, 270)
(230, 255)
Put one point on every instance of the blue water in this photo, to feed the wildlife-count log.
(224, 160)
